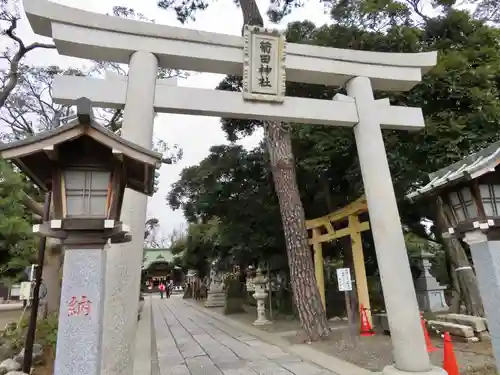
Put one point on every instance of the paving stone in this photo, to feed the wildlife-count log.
(225, 365)
(202, 366)
(288, 358)
(268, 368)
(174, 370)
(302, 368)
(240, 371)
(268, 350)
(190, 342)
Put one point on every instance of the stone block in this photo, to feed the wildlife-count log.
(464, 339)
(215, 299)
(484, 336)
(477, 323)
(381, 322)
(452, 328)
(10, 365)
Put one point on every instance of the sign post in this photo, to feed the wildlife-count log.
(344, 282)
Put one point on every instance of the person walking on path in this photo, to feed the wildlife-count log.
(162, 290)
(168, 291)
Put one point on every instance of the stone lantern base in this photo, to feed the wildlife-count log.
(262, 322)
(261, 309)
(215, 299)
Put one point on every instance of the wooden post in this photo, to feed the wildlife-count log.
(359, 266)
(318, 265)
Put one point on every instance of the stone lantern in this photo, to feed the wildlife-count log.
(470, 192)
(87, 168)
(260, 282)
(430, 294)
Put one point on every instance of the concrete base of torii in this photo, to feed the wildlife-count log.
(392, 370)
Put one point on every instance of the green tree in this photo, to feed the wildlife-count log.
(460, 104)
(198, 247)
(27, 107)
(17, 244)
(233, 186)
(459, 99)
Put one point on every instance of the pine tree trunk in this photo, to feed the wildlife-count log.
(302, 278)
(469, 290)
(456, 297)
(251, 13)
(305, 291)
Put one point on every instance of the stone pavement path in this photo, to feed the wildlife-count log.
(190, 342)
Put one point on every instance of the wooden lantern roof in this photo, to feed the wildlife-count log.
(36, 156)
(470, 168)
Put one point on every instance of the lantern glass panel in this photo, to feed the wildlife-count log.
(86, 193)
(463, 205)
(490, 196)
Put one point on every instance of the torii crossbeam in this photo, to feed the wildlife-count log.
(169, 98)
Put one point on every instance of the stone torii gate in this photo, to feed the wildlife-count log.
(146, 46)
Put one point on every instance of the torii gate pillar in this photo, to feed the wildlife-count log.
(123, 274)
(410, 353)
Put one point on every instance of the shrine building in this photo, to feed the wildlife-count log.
(158, 266)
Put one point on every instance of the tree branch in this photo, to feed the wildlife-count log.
(31, 204)
(34, 45)
(10, 33)
(13, 75)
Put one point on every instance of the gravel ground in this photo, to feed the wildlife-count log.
(9, 316)
(374, 353)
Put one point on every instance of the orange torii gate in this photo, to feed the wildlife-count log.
(354, 228)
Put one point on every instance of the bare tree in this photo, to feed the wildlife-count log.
(9, 19)
(27, 107)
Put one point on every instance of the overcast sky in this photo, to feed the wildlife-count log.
(194, 134)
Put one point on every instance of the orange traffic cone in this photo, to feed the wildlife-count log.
(366, 328)
(430, 348)
(449, 362)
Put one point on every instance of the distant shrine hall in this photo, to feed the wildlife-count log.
(158, 267)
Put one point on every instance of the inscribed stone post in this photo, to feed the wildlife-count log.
(486, 257)
(81, 312)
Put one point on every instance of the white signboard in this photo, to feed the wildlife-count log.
(15, 290)
(344, 279)
(264, 64)
(25, 291)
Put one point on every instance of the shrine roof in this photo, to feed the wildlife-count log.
(84, 119)
(35, 155)
(473, 166)
(151, 256)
